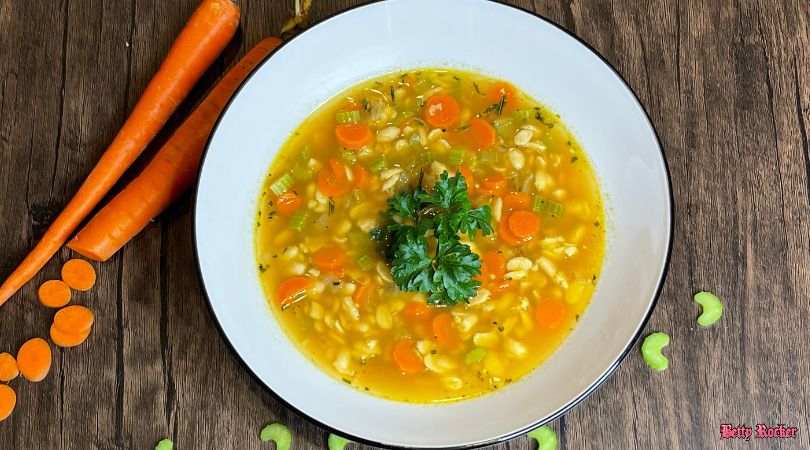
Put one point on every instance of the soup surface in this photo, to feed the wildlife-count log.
(429, 236)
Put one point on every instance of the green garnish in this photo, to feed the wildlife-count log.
(347, 116)
(477, 89)
(165, 444)
(475, 355)
(277, 433)
(546, 438)
(712, 308)
(366, 104)
(393, 97)
(651, 351)
(336, 442)
(421, 221)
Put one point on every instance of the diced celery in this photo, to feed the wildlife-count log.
(364, 263)
(377, 165)
(502, 126)
(348, 155)
(415, 141)
(301, 173)
(456, 157)
(475, 355)
(299, 220)
(551, 208)
(422, 86)
(523, 114)
(347, 116)
(283, 184)
(489, 157)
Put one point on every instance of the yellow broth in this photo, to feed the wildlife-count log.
(520, 314)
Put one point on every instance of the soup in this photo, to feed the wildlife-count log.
(430, 236)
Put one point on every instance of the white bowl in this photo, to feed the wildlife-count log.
(540, 58)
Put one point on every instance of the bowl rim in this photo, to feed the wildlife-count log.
(507, 436)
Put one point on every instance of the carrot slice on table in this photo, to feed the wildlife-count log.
(54, 293)
(8, 367)
(291, 290)
(516, 200)
(8, 399)
(354, 136)
(332, 180)
(494, 184)
(406, 357)
(79, 274)
(501, 90)
(34, 359)
(329, 257)
(550, 313)
(200, 42)
(524, 224)
(288, 202)
(171, 172)
(362, 294)
(62, 339)
(480, 135)
(74, 319)
(444, 331)
(442, 111)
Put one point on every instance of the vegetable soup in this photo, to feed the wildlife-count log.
(430, 236)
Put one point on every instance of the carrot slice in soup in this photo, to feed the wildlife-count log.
(495, 263)
(288, 202)
(494, 184)
(406, 357)
(480, 135)
(34, 359)
(329, 257)
(360, 176)
(444, 331)
(505, 234)
(54, 293)
(362, 294)
(516, 200)
(469, 179)
(524, 224)
(332, 180)
(79, 274)
(550, 313)
(353, 136)
(441, 111)
(416, 311)
(501, 90)
(291, 290)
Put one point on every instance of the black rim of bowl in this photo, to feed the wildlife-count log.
(505, 437)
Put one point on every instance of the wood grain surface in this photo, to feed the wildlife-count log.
(726, 84)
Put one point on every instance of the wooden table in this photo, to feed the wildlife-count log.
(727, 85)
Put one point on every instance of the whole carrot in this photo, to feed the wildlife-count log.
(170, 173)
(200, 42)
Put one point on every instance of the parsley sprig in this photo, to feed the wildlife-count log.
(423, 240)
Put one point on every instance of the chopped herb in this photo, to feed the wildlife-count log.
(500, 328)
(574, 159)
(456, 78)
(433, 352)
(568, 143)
(346, 380)
(262, 268)
(331, 206)
(596, 224)
(447, 212)
(593, 280)
(393, 97)
(366, 104)
(501, 104)
(336, 283)
(275, 256)
(477, 89)
(377, 83)
(464, 127)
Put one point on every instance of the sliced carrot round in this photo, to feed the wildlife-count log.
(550, 313)
(483, 277)
(501, 286)
(469, 179)
(501, 90)
(291, 290)
(8, 400)
(516, 200)
(494, 184)
(34, 359)
(441, 111)
(75, 319)
(8, 367)
(288, 202)
(505, 234)
(361, 176)
(480, 135)
(79, 274)
(406, 357)
(330, 257)
(54, 293)
(332, 180)
(416, 311)
(524, 224)
(62, 339)
(353, 136)
(444, 331)
(362, 294)
(495, 263)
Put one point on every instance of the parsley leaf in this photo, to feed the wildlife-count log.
(411, 268)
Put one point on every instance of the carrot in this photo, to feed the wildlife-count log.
(505, 234)
(54, 293)
(361, 176)
(288, 202)
(202, 40)
(495, 264)
(469, 179)
(34, 359)
(500, 90)
(75, 319)
(79, 274)
(493, 185)
(332, 180)
(480, 135)
(171, 172)
(8, 399)
(406, 357)
(8, 367)
(501, 286)
(550, 313)
(362, 294)
(441, 111)
(484, 276)
(524, 224)
(353, 136)
(516, 200)
(62, 339)
(416, 311)
(444, 332)
(329, 257)
(291, 290)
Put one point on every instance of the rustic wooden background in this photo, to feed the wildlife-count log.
(727, 85)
